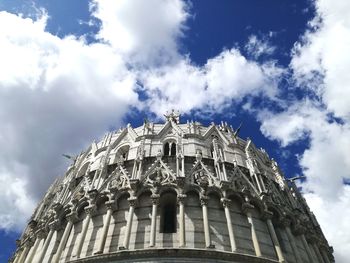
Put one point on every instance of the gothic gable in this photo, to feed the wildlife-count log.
(159, 174)
(200, 174)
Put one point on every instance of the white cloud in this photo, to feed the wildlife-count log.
(334, 220)
(324, 50)
(325, 163)
(259, 46)
(144, 31)
(14, 193)
(221, 81)
(320, 62)
(56, 96)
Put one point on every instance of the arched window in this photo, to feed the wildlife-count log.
(166, 149)
(123, 152)
(170, 149)
(173, 149)
(168, 213)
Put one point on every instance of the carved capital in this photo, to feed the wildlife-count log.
(132, 201)
(72, 217)
(55, 225)
(247, 207)
(267, 215)
(57, 207)
(90, 210)
(286, 222)
(226, 202)
(92, 194)
(204, 200)
(155, 199)
(111, 205)
(181, 198)
(41, 233)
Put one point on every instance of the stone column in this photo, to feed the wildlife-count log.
(89, 210)
(292, 241)
(155, 203)
(307, 248)
(262, 183)
(110, 206)
(247, 209)
(317, 252)
(276, 243)
(46, 244)
(17, 256)
(132, 203)
(226, 204)
(182, 236)
(257, 182)
(325, 256)
(204, 203)
(25, 251)
(139, 171)
(33, 250)
(224, 171)
(72, 217)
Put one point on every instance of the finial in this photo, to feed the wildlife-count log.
(237, 131)
(173, 116)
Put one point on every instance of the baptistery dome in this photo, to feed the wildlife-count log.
(173, 192)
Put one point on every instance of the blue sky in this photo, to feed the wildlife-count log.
(72, 70)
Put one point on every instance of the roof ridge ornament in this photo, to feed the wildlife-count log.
(173, 116)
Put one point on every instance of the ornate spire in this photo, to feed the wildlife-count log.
(173, 116)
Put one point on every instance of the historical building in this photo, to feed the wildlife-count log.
(173, 192)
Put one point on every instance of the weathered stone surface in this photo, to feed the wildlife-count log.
(208, 172)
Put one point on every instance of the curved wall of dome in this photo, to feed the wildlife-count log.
(173, 192)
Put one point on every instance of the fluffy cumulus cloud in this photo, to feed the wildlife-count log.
(220, 82)
(320, 61)
(334, 219)
(144, 31)
(51, 89)
(325, 163)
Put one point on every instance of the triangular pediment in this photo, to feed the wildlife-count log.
(170, 127)
(118, 180)
(213, 130)
(200, 174)
(240, 181)
(159, 174)
(127, 135)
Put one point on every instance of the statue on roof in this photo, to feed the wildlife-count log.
(173, 116)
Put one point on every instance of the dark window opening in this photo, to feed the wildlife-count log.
(168, 215)
(166, 149)
(169, 219)
(173, 149)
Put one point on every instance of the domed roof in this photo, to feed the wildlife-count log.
(173, 192)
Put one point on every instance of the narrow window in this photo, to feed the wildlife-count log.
(168, 213)
(166, 149)
(173, 149)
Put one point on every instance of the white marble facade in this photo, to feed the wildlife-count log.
(173, 192)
